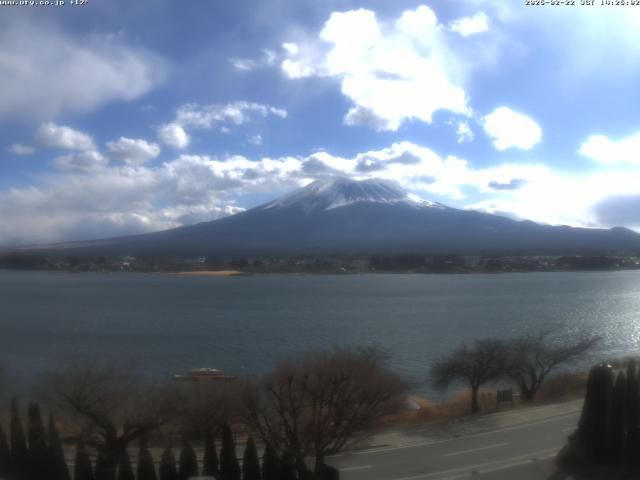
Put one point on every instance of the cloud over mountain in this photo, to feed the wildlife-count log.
(71, 74)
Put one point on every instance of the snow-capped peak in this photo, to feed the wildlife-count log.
(330, 193)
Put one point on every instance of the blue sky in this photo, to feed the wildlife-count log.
(123, 117)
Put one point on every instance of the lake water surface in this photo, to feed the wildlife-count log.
(244, 324)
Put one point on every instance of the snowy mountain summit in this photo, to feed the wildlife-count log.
(331, 193)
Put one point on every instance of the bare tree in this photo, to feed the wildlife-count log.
(313, 406)
(112, 404)
(5, 383)
(204, 414)
(531, 359)
(476, 365)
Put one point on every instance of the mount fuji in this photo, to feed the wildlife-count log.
(341, 216)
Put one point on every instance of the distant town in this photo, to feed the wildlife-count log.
(339, 264)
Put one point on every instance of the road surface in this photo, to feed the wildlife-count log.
(517, 444)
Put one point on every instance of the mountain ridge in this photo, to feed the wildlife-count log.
(342, 216)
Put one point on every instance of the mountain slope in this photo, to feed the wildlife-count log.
(349, 217)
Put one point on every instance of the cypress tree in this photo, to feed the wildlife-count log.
(188, 462)
(57, 464)
(588, 407)
(38, 452)
(250, 461)
(101, 469)
(5, 455)
(288, 467)
(270, 464)
(604, 436)
(125, 470)
(106, 468)
(19, 452)
(229, 466)
(168, 469)
(330, 473)
(586, 426)
(83, 470)
(210, 467)
(595, 420)
(618, 427)
(632, 415)
(146, 470)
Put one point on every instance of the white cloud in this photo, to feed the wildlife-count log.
(291, 48)
(510, 129)
(88, 198)
(581, 25)
(527, 191)
(352, 33)
(464, 132)
(89, 161)
(393, 73)
(236, 113)
(132, 151)
(269, 57)
(467, 26)
(58, 136)
(297, 69)
(256, 140)
(173, 135)
(365, 117)
(72, 74)
(92, 199)
(19, 149)
(560, 199)
(604, 150)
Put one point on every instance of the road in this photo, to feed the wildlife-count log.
(517, 444)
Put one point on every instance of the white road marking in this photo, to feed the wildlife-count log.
(524, 425)
(351, 469)
(393, 449)
(491, 466)
(523, 413)
(471, 450)
(482, 434)
(506, 466)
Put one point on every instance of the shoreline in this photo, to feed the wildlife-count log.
(231, 273)
(208, 273)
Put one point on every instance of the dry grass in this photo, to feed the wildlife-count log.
(558, 388)
(564, 386)
(458, 406)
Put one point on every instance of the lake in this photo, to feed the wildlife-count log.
(243, 325)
